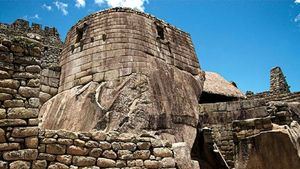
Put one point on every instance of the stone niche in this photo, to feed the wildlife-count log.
(127, 71)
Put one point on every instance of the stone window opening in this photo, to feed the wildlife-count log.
(104, 37)
(80, 32)
(160, 32)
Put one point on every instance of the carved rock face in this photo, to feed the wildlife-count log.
(164, 100)
(276, 149)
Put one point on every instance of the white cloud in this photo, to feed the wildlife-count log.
(297, 1)
(62, 7)
(297, 19)
(47, 7)
(135, 4)
(36, 16)
(80, 3)
(99, 2)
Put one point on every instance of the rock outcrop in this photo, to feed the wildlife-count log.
(277, 149)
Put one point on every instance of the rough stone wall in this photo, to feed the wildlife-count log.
(287, 97)
(219, 117)
(278, 83)
(118, 42)
(51, 46)
(41, 149)
(19, 96)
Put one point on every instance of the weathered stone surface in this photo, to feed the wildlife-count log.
(9, 83)
(9, 146)
(45, 156)
(142, 154)
(31, 142)
(182, 155)
(104, 145)
(168, 162)
(8, 90)
(25, 154)
(162, 152)
(143, 145)
(2, 136)
(65, 159)
(39, 164)
(17, 48)
(84, 161)
(34, 102)
(19, 165)
(58, 166)
(34, 83)
(2, 113)
(109, 154)
(3, 165)
(29, 92)
(152, 164)
(125, 155)
(5, 96)
(95, 152)
(44, 97)
(14, 103)
(65, 141)
(103, 162)
(67, 134)
(25, 131)
(33, 69)
(4, 75)
(55, 149)
(12, 122)
(3, 48)
(128, 146)
(22, 113)
(274, 149)
(75, 150)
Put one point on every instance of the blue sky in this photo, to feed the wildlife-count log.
(240, 39)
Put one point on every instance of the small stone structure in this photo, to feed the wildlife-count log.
(278, 82)
(279, 89)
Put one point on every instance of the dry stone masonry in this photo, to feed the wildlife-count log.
(50, 45)
(124, 91)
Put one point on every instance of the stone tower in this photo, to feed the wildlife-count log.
(278, 83)
(127, 71)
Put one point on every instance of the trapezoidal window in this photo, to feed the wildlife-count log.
(80, 32)
(160, 32)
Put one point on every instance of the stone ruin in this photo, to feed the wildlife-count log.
(125, 90)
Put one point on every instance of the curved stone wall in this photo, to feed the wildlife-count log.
(118, 42)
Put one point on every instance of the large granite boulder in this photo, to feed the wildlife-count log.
(277, 149)
(163, 100)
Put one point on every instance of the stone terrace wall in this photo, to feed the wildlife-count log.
(61, 149)
(219, 117)
(117, 42)
(50, 44)
(19, 81)
(287, 97)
